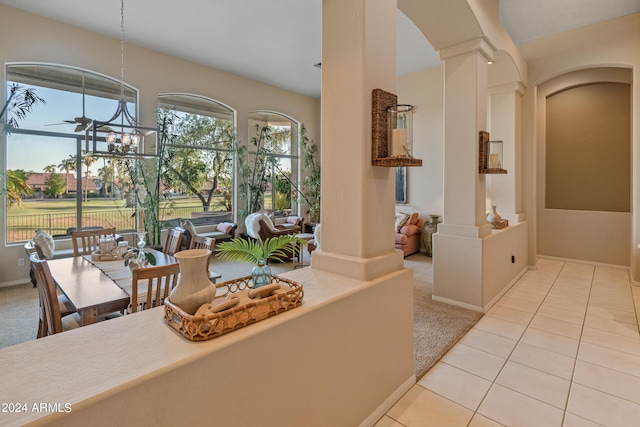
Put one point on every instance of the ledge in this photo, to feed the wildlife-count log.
(316, 360)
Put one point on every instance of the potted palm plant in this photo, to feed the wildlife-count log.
(259, 252)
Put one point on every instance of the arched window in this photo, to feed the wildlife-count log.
(273, 161)
(198, 158)
(47, 153)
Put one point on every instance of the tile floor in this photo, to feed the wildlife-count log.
(560, 348)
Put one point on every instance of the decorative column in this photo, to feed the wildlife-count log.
(458, 266)
(358, 55)
(505, 112)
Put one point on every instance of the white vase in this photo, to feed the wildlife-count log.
(493, 217)
(194, 287)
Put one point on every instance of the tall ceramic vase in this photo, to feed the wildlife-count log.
(428, 230)
(194, 287)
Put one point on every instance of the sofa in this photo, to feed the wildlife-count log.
(408, 229)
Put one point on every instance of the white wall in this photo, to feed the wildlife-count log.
(149, 71)
(425, 185)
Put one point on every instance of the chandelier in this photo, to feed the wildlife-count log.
(121, 135)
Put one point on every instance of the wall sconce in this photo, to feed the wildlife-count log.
(490, 154)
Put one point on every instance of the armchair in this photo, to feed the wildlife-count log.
(260, 227)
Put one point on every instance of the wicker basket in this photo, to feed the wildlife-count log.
(202, 328)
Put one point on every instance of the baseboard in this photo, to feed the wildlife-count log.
(579, 261)
(458, 303)
(372, 419)
(13, 283)
(506, 289)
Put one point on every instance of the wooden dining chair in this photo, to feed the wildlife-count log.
(66, 307)
(87, 241)
(51, 320)
(160, 281)
(172, 242)
(202, 242)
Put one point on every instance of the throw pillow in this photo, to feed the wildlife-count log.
(45, 243)
(401, 220)
(316, 236)
(188, 225)
(225, 227)
(252, 225)
(294, 220)
(414, 219)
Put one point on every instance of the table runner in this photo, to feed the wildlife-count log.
(121, 276)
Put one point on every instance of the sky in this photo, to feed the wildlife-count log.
(33, 153)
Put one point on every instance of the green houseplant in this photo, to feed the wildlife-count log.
(258, 252)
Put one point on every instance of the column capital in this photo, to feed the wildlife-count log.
(517, 87)
(480, 45)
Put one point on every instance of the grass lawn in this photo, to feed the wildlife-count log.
(34, 207)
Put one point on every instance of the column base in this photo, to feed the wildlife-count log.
(365, 269)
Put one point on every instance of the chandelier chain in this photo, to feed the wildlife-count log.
(122, 49)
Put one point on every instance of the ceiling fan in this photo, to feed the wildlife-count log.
(82, 122)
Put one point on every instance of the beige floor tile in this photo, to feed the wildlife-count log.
(525, 295)
(534, 288)
(542, 282)
(602, 408)
(613, 341)
(612, 314)
(581, 297)
(572, 420)
(500, 327)
(612, 304)
(551, 264)
(560, 327)
(617, 294)
(629, 330)
(482, 421)
(550, 341)
(474, 361)
(613, 359)
(534, 383)
(491, 343)
(612, 273)
(543, 360)
(456, 385)
(518, 304)
(510, 314)
(572, 283)
(387, 422)
(420, 407)
(578, 267)
(607, 380)
(511, 408)
(566, 304)
(542, 273)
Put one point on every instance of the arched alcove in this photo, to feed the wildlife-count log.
(583, 153)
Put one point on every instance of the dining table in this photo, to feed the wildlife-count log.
(97, 288)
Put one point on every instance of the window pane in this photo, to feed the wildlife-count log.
(56, 182)
(197, 173)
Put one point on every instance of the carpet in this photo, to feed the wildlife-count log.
(437, 326)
